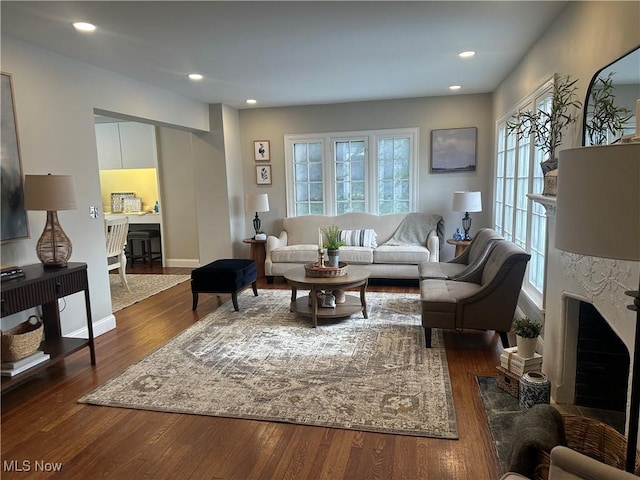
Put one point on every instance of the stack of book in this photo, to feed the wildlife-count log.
(9, 369)
(9, 273)
(511, 361)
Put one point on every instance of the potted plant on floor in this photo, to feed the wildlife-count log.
(547, 127)
(332, 244)
(527, 331)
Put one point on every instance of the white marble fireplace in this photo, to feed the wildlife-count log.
(571, 278)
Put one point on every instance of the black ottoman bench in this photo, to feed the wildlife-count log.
(224, 276)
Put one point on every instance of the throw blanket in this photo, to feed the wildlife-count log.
(541, 428)
(414, 228)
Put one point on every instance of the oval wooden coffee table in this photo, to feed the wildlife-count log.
(355, 277)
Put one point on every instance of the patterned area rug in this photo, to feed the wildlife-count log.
(142, 286)
(266, 363)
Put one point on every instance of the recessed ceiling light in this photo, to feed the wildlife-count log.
(467, 54)
(195, 76)
(84, 26)
(251, 101)
(455, 87)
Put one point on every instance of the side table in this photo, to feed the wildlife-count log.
(258, 253)
(461, 245)
(43, 287)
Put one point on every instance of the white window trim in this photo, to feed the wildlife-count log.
(330, 184)
(371, 168)
(531, 293)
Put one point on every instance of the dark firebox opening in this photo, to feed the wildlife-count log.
(603, 362)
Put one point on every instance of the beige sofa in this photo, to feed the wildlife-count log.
(403, 241)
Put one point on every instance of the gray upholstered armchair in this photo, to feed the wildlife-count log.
(487, 305)
(466, 267)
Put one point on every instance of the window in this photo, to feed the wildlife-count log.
(518, 173)
(332, 174)
(349, 160)
(308, 177)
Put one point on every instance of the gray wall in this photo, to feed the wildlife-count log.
(584, 38)
(177, 173)
(435, 190)
(55, 99)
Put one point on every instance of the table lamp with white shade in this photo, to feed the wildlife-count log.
(466, 202)
(256, 202)
(598, 214)
(51, 193)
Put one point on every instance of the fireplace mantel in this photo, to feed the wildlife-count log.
(549, 203)
(571, 278)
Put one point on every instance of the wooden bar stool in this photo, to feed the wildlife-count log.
(146, 252)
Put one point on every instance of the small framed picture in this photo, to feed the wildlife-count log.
(261, 152)
(453, 150)
(263, 174)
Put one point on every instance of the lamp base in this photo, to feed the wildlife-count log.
(256, 223)
(466, 225)
(53, 266)
(53, 247)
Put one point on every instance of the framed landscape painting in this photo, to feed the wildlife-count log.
(14, 216)
(453, 150)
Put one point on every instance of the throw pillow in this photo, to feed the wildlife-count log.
(359, 238)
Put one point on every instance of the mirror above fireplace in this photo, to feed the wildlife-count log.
(625, 83)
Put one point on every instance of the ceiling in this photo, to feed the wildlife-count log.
(292, 53)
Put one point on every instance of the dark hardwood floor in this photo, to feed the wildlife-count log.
(42, 421)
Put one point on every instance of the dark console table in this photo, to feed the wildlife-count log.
(43, 287)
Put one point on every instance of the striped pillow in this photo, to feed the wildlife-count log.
(359, 238)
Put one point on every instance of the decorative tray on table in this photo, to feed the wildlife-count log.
(314, 270)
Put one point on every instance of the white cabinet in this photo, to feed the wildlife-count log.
(108, 142)
(137, 145)
(126, 145)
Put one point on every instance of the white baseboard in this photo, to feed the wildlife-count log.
(182, 262)
(99, 327)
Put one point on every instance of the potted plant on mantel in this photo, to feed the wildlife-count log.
(603, 116)
(547, 127)
(332, 244)
(527, 331)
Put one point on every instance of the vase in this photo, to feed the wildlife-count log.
(341, 297)
(551, 183)
(333, 258)
(526, 346)
(534, 388)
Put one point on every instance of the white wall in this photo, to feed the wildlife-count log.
(435, 190)
(55, 98)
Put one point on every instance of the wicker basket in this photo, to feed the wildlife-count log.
(508, 381)
(21, 341)
(313, 270)
(592, 438)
